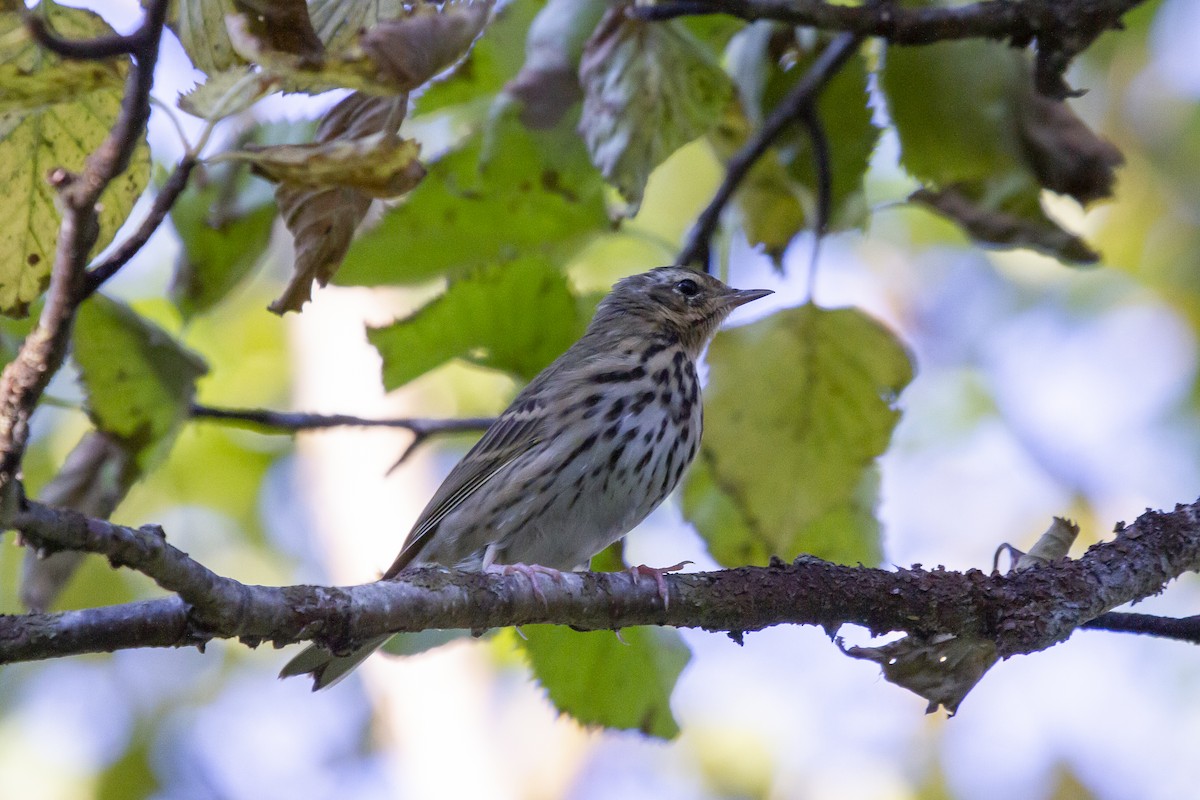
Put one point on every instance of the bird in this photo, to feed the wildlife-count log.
(584, 453)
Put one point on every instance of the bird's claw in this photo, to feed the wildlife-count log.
(531, 572)
(657, 574)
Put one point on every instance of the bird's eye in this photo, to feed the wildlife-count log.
(688, 287)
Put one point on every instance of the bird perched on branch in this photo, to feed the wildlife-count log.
(590, 447)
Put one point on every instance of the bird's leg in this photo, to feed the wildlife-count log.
(657, 574)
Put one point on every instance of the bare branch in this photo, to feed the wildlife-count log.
(1022, 612)
(1019, 21)
(1186, 629)
(82, 50)
(163, 202)
(795, 105)
(298, 421)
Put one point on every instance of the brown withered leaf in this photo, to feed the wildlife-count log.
(942, 668)
(323, 222)
(392, 56)
(93, 480)
(410, 50)
(380, 165)
(323, 219)
(1063, 152)
(992, 226)
(284, 25)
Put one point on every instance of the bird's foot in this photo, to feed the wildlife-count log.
(657, 574)
(531, 573)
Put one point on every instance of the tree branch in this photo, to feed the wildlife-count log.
(297, 421)
(41, 355)
(163, 202)
(792, 107)
(96, 49)
(1021, 612)
(1019, 21)
(1186, 629)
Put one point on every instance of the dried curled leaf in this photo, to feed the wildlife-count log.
(973, 129)
(412, 49)
(392, 56)
(1000, 227)
(323, 218)
(380, 165)
(284, 25)
(1064, 153)
(941, 668)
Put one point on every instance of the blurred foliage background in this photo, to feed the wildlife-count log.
(1039, 389)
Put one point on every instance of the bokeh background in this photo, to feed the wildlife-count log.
(1041, 390)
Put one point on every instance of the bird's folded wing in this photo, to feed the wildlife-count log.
(516, 431)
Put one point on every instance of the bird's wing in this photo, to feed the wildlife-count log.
(517, 430)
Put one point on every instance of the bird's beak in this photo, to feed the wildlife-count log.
(742, 296)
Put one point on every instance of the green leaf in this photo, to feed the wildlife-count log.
(648, 89)
(37, 139)
(227, 93)
(132, 775)
(778, 198)
(852, 136)
(339, 22)
(598, 680)
(768, 201)
(490, 64)
(798, 407)
(972, 128)
(517, 317)
(138, 380)
(200, 26)
(223, 239)
(953, 105)
(506, 193)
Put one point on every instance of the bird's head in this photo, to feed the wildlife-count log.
(674, 301)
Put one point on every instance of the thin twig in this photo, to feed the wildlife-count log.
(42, 353)
(802, 96)
(1184, 629)
(102, 270)
(298, 421)
(97, 49)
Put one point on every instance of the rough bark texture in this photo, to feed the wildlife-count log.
(1021, 612)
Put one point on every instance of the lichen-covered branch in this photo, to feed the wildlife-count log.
(1021, 612)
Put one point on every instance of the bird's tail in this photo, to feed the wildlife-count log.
(325, 667)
